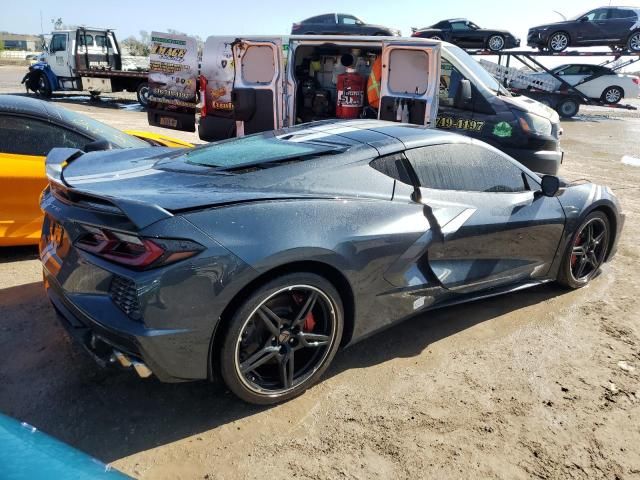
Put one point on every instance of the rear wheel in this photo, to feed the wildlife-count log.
(633, 43)
(586, 252)
(282, 338)
(568, 107)
(558, 42)
(142, 92)
(495, 43)
(612, 94)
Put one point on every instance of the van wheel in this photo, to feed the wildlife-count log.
(142, 92)
(43, 87)
(568, 108)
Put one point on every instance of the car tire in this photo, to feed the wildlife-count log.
(633, 44)
(586, 251)
(142, 94)
(43, 87)
(612, 95)
(495, 43)
(270, 330)
(568, 107)
(558, 41)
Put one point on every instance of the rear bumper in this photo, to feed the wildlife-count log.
(157, 350)
(546, 162)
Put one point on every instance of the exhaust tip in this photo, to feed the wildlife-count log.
(127, 362)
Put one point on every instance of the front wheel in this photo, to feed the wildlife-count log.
(43, 87)
(612, 95)
(558, 42)
(586, 252)
(282, 338)
(495, 43)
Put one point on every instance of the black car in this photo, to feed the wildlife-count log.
(258, 257)
(615, 27)
(339, 24)
(466, 34)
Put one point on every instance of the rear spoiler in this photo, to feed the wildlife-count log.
(139, 213)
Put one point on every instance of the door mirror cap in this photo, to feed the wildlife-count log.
(584, 19)
(464, 94)
(98, 146)
(550, 185)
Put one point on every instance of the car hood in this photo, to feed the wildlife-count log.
(552, 24)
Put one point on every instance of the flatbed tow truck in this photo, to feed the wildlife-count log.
(567, 99)
(85, 59)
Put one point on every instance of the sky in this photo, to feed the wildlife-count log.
(214, 17)
(260, 17)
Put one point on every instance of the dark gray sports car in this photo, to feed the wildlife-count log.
(258, 257)
(466, 34)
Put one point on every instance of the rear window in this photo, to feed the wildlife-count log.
(255, 150)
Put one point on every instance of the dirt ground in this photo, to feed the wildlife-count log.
(543, 383)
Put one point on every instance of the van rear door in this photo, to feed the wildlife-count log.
(173, 73)
(410, 76)
(257, 94)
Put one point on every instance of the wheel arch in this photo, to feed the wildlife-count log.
(613, 224)
(325, 270)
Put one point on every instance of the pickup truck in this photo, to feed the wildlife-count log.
(84, 59)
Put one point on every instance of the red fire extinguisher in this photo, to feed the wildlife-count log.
(350, 87)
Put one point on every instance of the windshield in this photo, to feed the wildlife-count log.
(255, 150)
(463, 61)
(98, 130)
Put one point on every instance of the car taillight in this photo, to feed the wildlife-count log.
(203, 92)
(133, 251)
(636, 80)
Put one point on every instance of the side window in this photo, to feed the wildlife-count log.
(101, 41)
(572, 70)
(620, 13)
(393, 166)
(58, 43)
(598, 14)
(456, 26)
(347, 20)
(27, 136)
(449, 82)
(464, 167)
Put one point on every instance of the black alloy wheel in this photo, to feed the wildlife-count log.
(43, 87)
(282, 339)
(495, 43)
(567, 108)
(586, 252)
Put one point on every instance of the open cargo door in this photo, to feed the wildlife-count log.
(172, 81)
(257, 87)
(410, 77)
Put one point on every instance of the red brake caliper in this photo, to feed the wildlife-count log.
(309, 321)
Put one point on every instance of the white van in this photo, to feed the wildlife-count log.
(252, 84)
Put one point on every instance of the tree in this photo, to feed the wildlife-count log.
(57, 24)
(136, 47)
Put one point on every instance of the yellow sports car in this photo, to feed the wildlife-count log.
(29, 128)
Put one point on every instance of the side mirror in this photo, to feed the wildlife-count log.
(584, 19)
(463, 95)
(98, 146)
(550, 185)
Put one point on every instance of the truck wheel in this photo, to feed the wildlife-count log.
(142, 92)
(94, 96)
(612, 95)
(43, 87)
(568, 107)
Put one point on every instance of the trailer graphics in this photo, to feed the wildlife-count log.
(173, 61)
